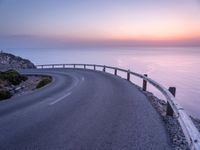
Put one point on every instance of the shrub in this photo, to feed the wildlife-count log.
(43, 82)
(12, 77)
(5, 94)
(24, 78)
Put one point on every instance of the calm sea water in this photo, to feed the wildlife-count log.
(170, 66)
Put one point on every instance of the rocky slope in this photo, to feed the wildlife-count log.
(10, 61)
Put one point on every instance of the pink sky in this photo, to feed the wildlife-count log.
(96, 22)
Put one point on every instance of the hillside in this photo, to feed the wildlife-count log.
(10, 61)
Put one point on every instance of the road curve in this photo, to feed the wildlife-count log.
(81, 110)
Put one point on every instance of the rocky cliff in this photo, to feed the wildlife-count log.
(10, 61)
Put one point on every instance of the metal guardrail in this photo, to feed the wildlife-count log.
(173, 108)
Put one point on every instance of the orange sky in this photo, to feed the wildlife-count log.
(93, 20)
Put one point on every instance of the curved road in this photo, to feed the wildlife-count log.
(81, 110)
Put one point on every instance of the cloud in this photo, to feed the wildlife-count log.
(28, 41)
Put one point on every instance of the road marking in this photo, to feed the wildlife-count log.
(69, 93)
(61, 98)
(83, 78)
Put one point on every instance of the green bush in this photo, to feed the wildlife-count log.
(43, 82)
(5, 94)
(12, 77)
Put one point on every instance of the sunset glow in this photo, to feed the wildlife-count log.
(89, 21)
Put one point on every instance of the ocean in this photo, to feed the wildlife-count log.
(170, 66)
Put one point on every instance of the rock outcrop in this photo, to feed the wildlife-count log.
(10, 61)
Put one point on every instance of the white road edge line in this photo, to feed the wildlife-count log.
(59, 99)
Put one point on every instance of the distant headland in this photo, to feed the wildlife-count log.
(10, 61)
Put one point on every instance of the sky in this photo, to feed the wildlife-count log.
(61, 23)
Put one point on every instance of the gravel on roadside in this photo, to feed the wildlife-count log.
(172, 125)
(27, 86)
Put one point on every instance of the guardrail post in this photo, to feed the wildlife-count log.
(144, 87)
(52, 66)
(172, 90)
(104, 68)
(63, 65)
(128, 75)
(42, 66)
(115, 71)
(74, 66)
(94, 67)
(170, 111)
(84, 66)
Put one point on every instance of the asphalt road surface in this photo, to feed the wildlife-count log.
(81, 110)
